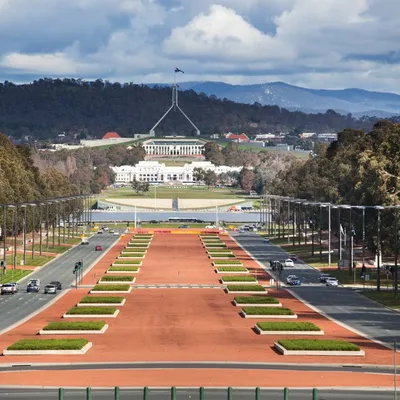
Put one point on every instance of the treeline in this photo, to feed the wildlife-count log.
(49, 107)
(357, 169)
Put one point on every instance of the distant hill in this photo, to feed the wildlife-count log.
(356, 101)
(49, 107)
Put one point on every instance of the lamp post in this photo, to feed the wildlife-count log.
(378, 279)
(33, 205)
(328, 206)
(48, 203)
(24, 232)
(4, 232)
(396, 252)
(15, 238)
(288, 221)
(64, 219)
(40, 228)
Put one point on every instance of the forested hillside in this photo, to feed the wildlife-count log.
(48, 107)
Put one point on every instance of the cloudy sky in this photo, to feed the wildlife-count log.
(313, 43)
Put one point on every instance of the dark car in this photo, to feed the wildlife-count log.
(184, 226)
(32, 288)
(153, 221)
(293, 257)
(99, 248)
(57, 284)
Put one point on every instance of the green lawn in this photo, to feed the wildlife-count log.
(14, 276)
(55, 249)
(385, 297)
(37, 261)
(344, 277)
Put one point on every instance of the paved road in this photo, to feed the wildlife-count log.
(16, 307)
(193, 394)
(207, 216)
(343, 304)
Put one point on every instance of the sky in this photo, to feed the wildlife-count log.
(331, 44)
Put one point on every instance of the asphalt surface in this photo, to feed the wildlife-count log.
(15, 307)
(342, 304)
(207, 216)
(193, 394)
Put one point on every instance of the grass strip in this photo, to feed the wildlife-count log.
(244, 278)
(91, 311)
(256, 300)
(211, 245)
(385, 297)
(232, 269)
(247, 288)
(133, 262)
(123, 269)
(102, 300)
(111, 288)
(49, 344)
(75, 326)
(318, 345)
(288, 326)
(224, 262)
(113, 278)
(219, 251)
(267, 311)
(223, 255)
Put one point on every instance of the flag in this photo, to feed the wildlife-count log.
(341, 229)
(178, 70)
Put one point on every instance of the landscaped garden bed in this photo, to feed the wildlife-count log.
(288, 328)
(74, 328)
(317, 347)
(227, 263)
(220, 251)
(222, 256)
(267, 312)
(117, 279)
(134, 251)
(243, 280)
(232, 270)
(141, 248)
(123, 270)
(118, 288)
(256, 301)
(48, 347)
(102, 301)
(135, 263)
(214, 245)
(245, 288)
(131, 256)
(91, 312)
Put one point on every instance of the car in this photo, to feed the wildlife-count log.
(31, 287)
(332, 282)
(50, 289)
(153, 221)
(289, 278)
(8, 288)
(211, 227)
(289, 263)
(295, 281)
(184, 226)
(111, 231)
(57, 284)
(99, 232)
(293, 257)
(324, 277)
(84, 241)
(99, 248)
(116, 233)
(34, 282)
(105, 228)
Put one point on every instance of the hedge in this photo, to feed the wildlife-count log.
(126, 255)
(223, 262)
(288, 326)
(102, 299)
(133, 250)
(138, 249)
(123, 269)
(210, 245)
(244, 278)
(219, 251)
(111, 288)
(256, 300)
(113, 278)
(267, 311)
(232, 269)
(133, 262)
(137, 244)
(247, 288)
(75, 326)
(49, 344)
(223, 255)
(91, 311)
(318, 344)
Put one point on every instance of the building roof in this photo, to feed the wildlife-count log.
(233, 136)
(111, 135)
(174, 141)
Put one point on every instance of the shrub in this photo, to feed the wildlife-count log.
(49, 344)
(123, 269)
(210, 251)
(244, 278)
(91, 311)
(256, 300)
(102, 299)
(318, 344)
(111, 288)
(247, 288)
(222, 255)
(267, 311)
(113, 278)
(75, 326)
(288, 326)
(211, 245)
(224, 262)
(232, 269)
(133, 262)
(126, 255)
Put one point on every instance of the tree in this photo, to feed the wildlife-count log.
(210, 178)
(246, 180)
(140, 187)
(198, 174)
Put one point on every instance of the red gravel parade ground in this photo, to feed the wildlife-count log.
(186, 324)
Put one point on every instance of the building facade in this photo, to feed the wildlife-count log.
(155, 172)
(174, 147)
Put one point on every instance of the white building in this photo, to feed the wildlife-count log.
(184, 147)
(153, 171)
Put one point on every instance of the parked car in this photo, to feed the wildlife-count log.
(8, 288)
(50, 289)
(332, 282)
(99, 248)
(324, 277)
(57, 284)
(289, 263)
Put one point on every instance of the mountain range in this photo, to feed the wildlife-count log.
(358, 102)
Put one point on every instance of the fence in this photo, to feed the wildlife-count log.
(201, 394)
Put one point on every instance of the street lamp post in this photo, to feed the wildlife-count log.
(312, 231)
(15, 239)
(329, 235)
(320, 233)
(33, 229)
(288, 221)
(47, 224)
(4, 233)
(378, 279)
(24, 232)
(294, 224)
(40, 229)
(64, 219)
(396, 253)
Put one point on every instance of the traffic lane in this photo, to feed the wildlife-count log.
(15, 307)
(352, 309)
(210, 394)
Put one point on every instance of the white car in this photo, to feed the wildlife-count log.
(333, 282)
(289, 278)
(289, 263)
(116, 233)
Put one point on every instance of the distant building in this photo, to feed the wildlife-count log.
(242, 137)
(174, 147)
(111, 135)
(307, 135)
(326, 137)
(155, 172)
